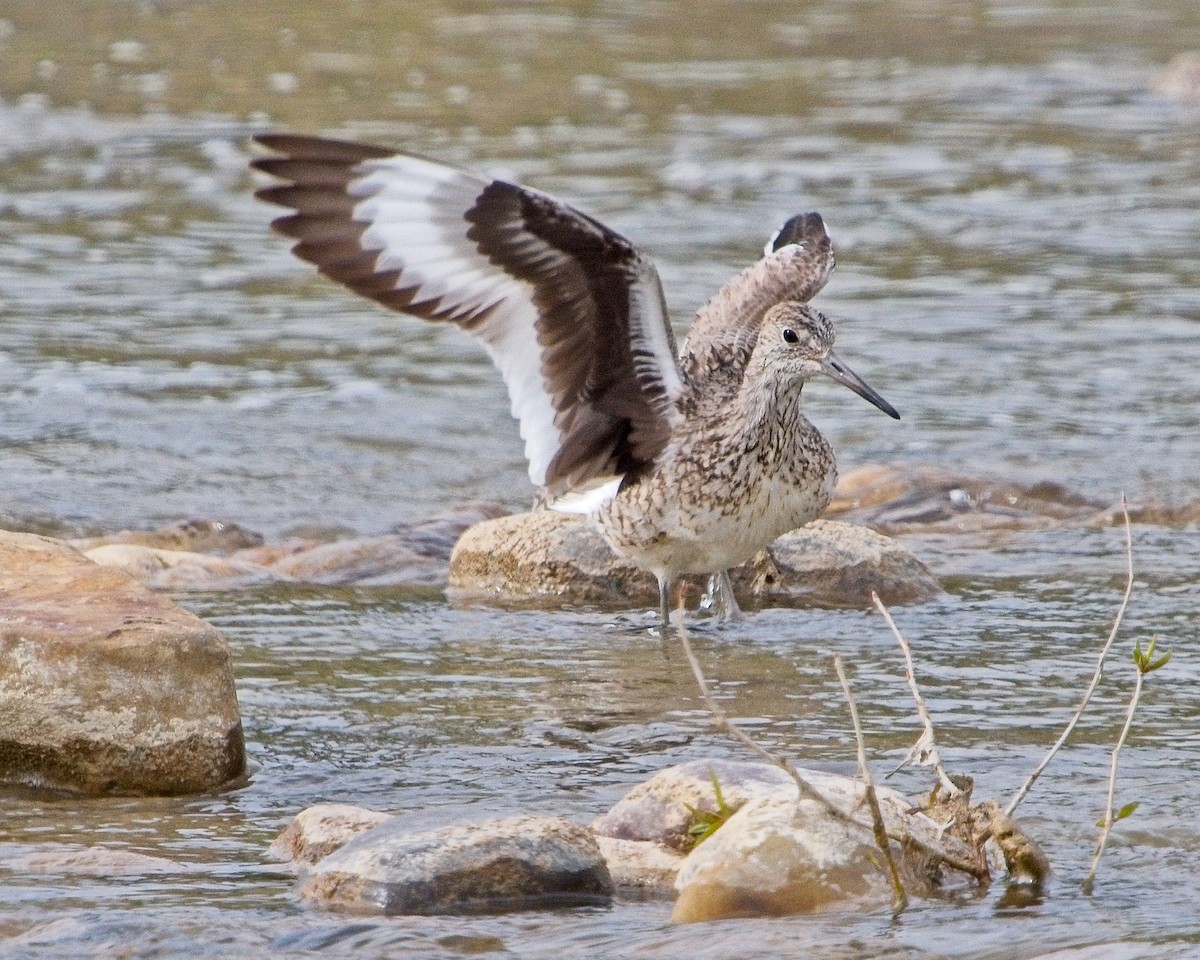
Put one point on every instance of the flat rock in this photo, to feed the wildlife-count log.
(543, 556)
(521, 862)
(383, 561)
(104, 686)
(95, 862)
(903, 498)
(194, 536)
(318, 831)
(180, 569)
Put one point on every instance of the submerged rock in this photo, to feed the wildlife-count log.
(534, 557)
(104, 686)
(901, 498)
(415, 555)
(195, 536)
(95, 862)
(517, 863)
(318, 831)
(180, 570)
(1180, 78)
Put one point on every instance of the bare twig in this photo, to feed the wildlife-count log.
(899, 897)
(924, 752)
(1145, 664)
(1087, 696)
(722, 723)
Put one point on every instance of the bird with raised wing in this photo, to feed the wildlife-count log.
(690, 460)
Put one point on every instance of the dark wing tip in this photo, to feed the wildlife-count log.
(804, 228)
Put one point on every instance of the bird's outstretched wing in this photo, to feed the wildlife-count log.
(795, 265)
(570, 312)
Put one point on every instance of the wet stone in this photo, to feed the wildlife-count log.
(104, 686)
(179, 569)
(194, 536)
(321, 829)
(517, 863)
(660, 810)
(904, 498)
(541, 556)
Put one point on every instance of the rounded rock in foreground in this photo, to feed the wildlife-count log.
(518, 863)
(531, 558)
(105, 687)
(779, 855)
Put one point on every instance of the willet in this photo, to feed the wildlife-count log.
(690, 460)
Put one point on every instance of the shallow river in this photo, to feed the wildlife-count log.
(1017, 217)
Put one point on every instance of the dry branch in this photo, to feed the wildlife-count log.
(899, 897)
(924, 751)
(722, 723)
(1087, 696)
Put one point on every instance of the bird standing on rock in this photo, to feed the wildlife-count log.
(689, 460)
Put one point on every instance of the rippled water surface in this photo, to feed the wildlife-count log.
(1017, 217)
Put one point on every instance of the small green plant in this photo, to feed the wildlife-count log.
(707, 822)
(1146, 664)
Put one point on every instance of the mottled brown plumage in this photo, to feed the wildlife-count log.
(690, 460)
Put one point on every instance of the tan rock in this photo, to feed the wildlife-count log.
(105, 686)
(194, 536)
(781, 854)
(832, 563)
(518, 863)
(321, 829)
(776, 856)
(386, 560)
(180, 570)
(905, 498)
(95, 862)
(544, 555)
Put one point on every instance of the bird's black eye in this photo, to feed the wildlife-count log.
(789, 335)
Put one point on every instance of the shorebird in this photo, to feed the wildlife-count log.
(690, 460)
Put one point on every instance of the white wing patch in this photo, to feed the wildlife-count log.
(408, 203)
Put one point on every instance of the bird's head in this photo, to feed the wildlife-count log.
(795, 344)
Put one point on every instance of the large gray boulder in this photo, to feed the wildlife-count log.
(542, 556)
(105, 687)
(522, 862)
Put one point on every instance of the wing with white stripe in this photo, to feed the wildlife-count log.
(570, 312)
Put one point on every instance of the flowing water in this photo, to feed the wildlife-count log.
(1017, 217)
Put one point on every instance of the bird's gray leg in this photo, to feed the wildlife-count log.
(724, 603)
(664, 606)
